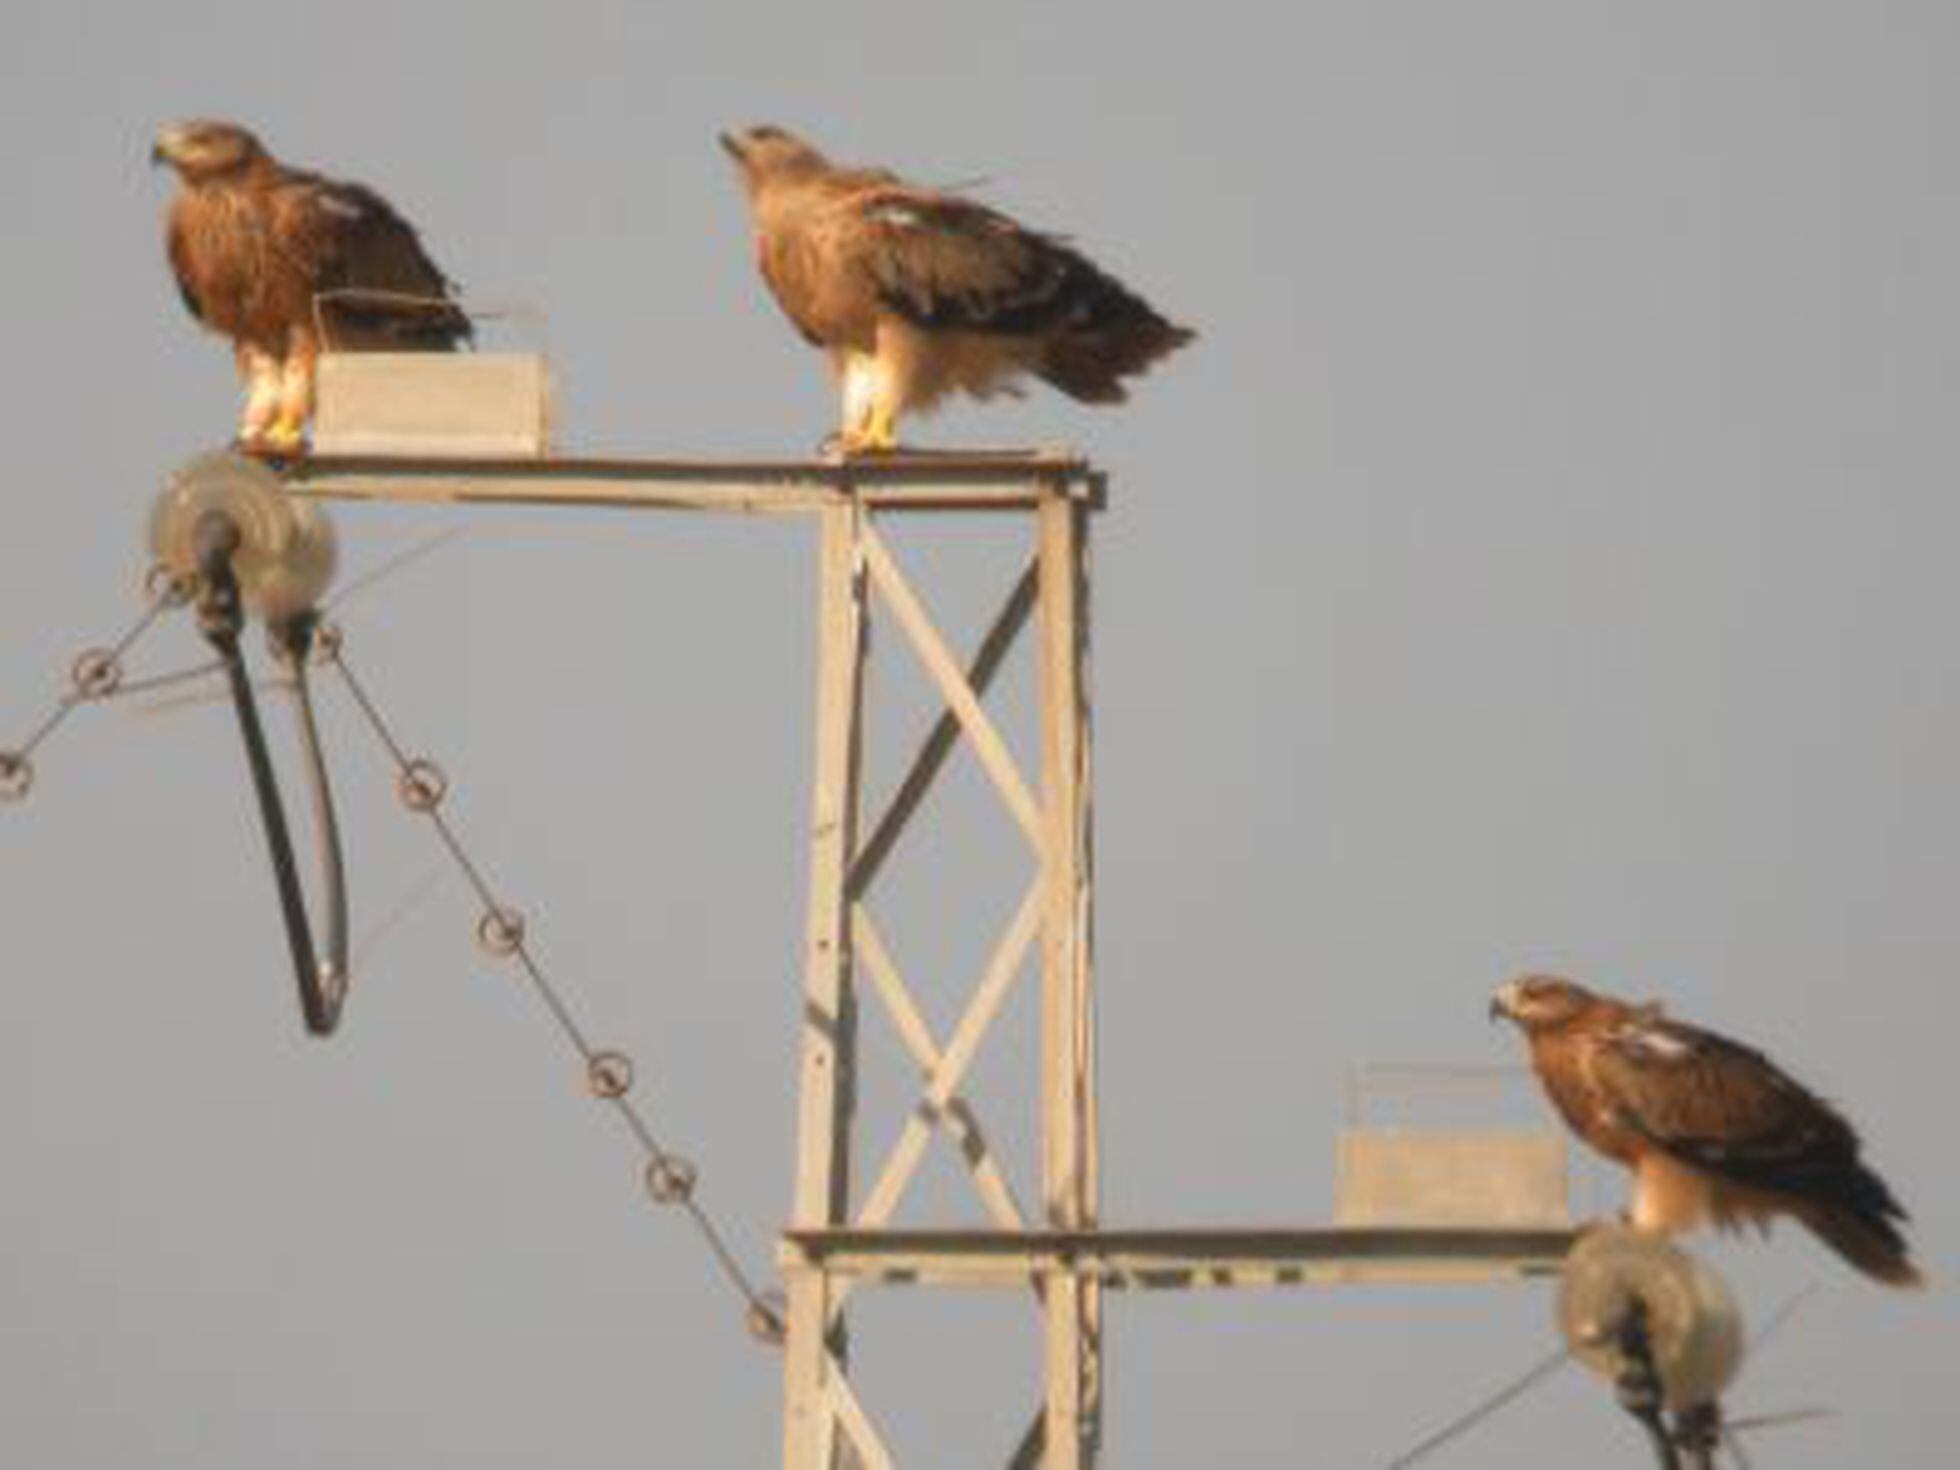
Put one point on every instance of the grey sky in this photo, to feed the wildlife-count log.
(1545, 557)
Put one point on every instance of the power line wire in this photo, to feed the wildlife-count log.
(1782, 1317)
(1464, 1423)
(95, 674)
(387, 568)
(670, 1178)
(363, 583)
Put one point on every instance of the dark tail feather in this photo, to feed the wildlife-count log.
(385, 323)
(1091, 367)
(1110, 333)
(1866, 1238)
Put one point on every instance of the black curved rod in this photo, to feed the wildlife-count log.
(294, 640)
(221, 618)
(1638, 1387)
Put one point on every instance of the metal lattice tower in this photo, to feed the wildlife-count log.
(845, 946)
(836, 1242)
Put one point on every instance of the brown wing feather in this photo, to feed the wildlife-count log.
(1728, 1111)
(943, 263)
(252, 256)
(366, 265)
(946, 262)
(1717, 1103)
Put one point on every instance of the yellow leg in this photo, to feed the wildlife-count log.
(262, 391)
(288, 431)
(881, 431)
(870, 419)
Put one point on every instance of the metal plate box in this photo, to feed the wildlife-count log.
(1488, 1178)
(492, 405)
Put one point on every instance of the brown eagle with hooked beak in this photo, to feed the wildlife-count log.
(915, 293)
(288, 264)
(1713, 1131)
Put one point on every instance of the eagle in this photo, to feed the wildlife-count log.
(289, 263)
(915, 292)
(1712, 1130)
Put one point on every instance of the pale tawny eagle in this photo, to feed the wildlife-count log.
(914, 292)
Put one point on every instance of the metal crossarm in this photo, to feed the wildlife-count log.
(1147, 1259)
(992, 481)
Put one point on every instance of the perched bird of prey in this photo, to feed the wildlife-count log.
(1712, 1130)
(288, 263)
(915, 292)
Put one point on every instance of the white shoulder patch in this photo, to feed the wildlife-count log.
(1655, 1043)
(902, 215)
(340, 205)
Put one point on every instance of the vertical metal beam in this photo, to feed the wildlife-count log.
(829, 1031)
(1088, 1092)
(1069, 1183)
(824, 1429)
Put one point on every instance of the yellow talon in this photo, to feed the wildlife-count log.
(879, 434)
(866, 443)
(870, 423)
(284, 437)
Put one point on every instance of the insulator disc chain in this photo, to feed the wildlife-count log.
(421, 785)
(609, 1074)
(96, 673)
(16, 775)
(671, 1179)
(166, 588)
(501, 932)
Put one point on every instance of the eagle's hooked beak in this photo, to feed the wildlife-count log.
(1503, 1002)
(733, 146)
(165, 147)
